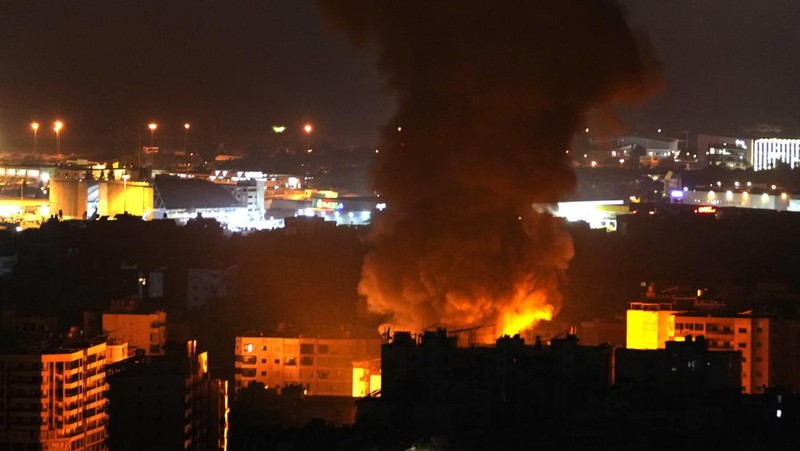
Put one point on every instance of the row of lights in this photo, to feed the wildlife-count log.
(58, 125)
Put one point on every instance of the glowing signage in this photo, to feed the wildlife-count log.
(706, 209)
(676, 193)
(327, 204)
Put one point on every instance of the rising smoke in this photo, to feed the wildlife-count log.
(489, 96)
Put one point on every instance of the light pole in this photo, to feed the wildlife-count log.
(125, 178)
(57, 126)
(186, 128)
(308, 128)
(35, 128)
(152, 126)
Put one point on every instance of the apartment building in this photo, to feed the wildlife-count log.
(167, 402)
(751, 335)
(54, 398)
(145, 331)
(770, 346)
(324, 366)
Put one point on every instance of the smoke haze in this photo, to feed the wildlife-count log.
(489, 96)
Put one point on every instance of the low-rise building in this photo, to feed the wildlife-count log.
(324, 366)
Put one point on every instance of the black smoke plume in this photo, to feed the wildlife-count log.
(489, 95)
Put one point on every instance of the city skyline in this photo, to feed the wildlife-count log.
(237, 70)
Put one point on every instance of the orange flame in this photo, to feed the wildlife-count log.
(525, 310)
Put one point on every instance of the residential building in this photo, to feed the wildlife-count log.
(145, 331)
(324, 366)
(167, 402)
(54, 398)
(683, 368)
(205, 284)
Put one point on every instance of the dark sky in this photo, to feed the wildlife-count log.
(239, 66)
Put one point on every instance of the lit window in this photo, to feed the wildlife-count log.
(248, 347)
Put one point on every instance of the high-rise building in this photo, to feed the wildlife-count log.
(54, 398)
(167, 402)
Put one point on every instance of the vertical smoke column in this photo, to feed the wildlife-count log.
(489, 94)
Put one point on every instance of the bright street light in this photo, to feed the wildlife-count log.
(35, 128)
(152, 126)
(186, 127)
(57, 126)
(308, 128)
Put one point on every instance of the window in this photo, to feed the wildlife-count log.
(742, 330)
(263, 360)
(698, 327)
(323, 349)
(264, 348)
(277, 361)
(290, 361)
(758, 329)
(689, 326)
(248, 347)
(306, 360)
(678, 326)
(306, 348)
(263, 373)
(742, 345)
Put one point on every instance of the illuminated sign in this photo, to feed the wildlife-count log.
(676, 193)
(327, 204)
(706, 209)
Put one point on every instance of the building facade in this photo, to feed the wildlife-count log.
(768, 153)
(145, 331)
(324, 366)
(54, 399)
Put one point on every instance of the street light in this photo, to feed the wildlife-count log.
(152, 126)
(57, 126)
(308, 128)
(186, 128)
(35, 128)
(125, 178)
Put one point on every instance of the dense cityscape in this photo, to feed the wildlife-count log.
(498, 264)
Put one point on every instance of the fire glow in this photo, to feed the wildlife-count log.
(489, 96)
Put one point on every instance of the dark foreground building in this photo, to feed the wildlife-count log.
(431, 384)
(167, 403)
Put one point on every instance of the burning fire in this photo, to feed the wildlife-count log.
(525, 310)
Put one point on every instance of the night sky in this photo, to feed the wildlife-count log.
(235, 68)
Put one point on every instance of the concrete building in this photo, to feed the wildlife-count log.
(167, 402)
(251, 194)
(770, 346)
(324, 366)
(682, 368)
(649, 325)
(751, 335)
(204, 284)
(450, 387)
(145, 331)
(763, 199)
(54, 398)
